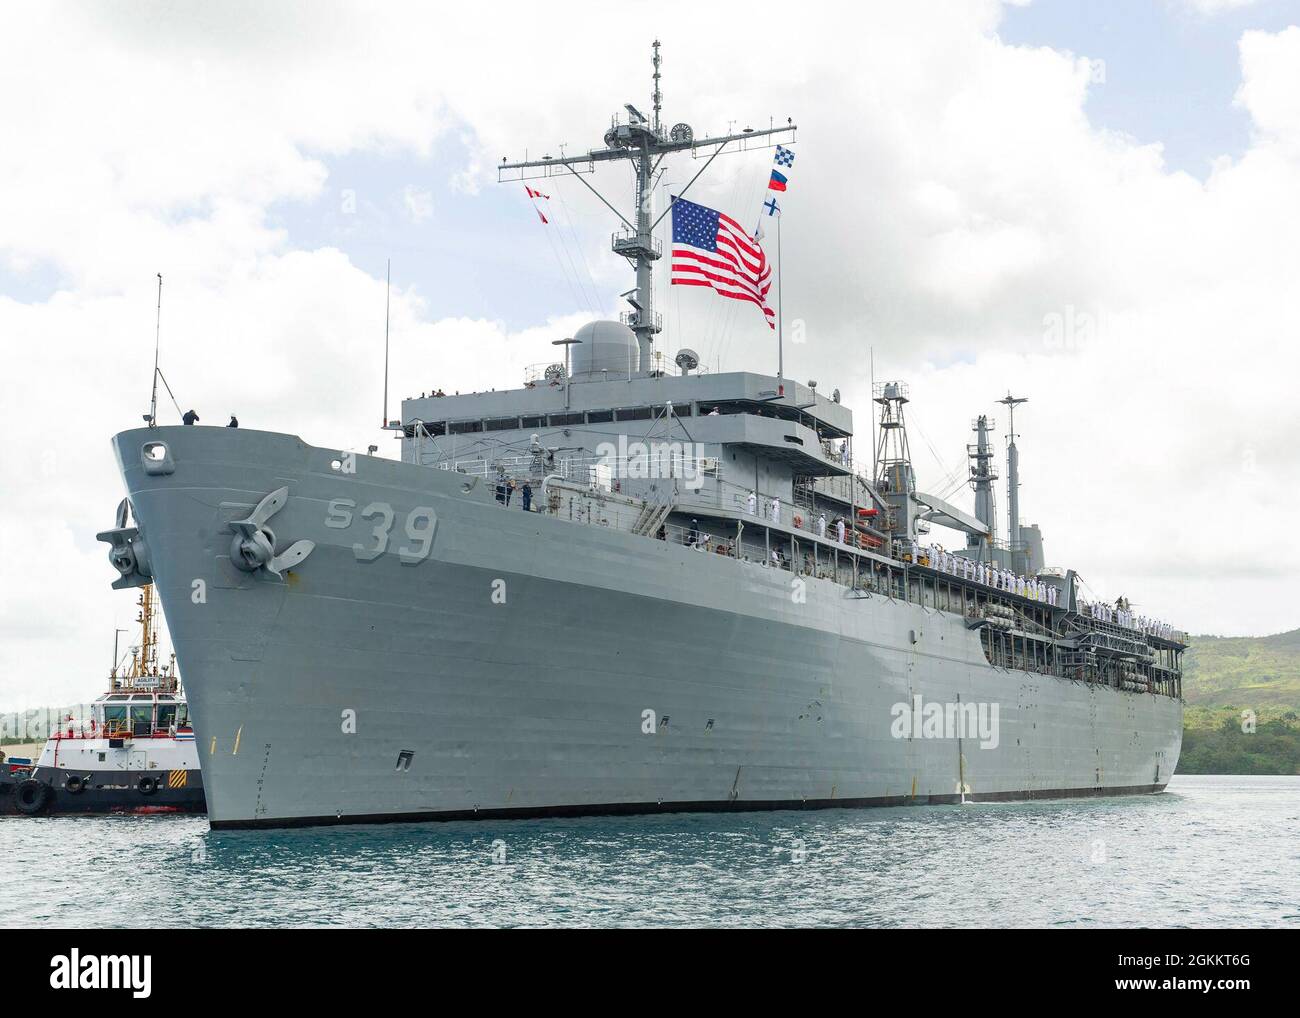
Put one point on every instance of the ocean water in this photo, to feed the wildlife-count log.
(1211, 851)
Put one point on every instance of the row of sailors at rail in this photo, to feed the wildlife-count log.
(773, 513)
(772, 510)
(990, 576)
(1120, 614)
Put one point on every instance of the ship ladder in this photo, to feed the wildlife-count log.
(651, 517)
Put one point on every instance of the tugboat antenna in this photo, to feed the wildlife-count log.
(116, 660)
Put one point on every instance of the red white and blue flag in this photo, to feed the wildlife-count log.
(712, 249)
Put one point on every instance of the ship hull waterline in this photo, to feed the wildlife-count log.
(531, 666)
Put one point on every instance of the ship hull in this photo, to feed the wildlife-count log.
(533, 666)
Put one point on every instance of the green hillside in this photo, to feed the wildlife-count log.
(1255, 672)
(1226, 676)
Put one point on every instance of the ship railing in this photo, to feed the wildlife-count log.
(604, 472)
(1134, 625)
(1110, 636)
(113, 730)
(772, 549)
(535, 374)
(748, 544)
(799, 517)
(750, 549)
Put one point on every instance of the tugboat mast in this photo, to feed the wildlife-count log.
(644, 143)
(143, 670)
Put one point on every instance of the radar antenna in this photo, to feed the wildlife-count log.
(644, 143)
(687, 360)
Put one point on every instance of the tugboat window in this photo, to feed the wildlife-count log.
(166, 715)
(115, 716)
(142, 719)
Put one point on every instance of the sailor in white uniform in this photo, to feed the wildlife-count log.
(751, 503)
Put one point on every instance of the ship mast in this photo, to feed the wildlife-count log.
(982, 476)
(895, 479)
(1013, 474)
(644, 143)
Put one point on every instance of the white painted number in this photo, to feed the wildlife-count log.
(420, 524)
(383, 512)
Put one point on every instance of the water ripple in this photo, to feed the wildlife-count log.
(1213, 851)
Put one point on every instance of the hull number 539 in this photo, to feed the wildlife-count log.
(379, 517)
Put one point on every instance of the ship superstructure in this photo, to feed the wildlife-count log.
(627, 586)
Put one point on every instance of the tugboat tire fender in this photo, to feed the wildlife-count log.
(147, 785)
(75, 784)
(31, 796)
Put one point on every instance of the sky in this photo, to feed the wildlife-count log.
(1092, 204)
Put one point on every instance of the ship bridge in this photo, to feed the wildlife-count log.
(721, 394)
(763, 434)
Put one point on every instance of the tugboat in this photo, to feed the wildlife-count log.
(137, 754)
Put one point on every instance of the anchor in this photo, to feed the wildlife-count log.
(253, 547)
(128, 551)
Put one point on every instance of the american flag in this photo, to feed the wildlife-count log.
(712, 249)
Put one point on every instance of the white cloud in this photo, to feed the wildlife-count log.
(1212, 7)
(418, 202)
(949, 196)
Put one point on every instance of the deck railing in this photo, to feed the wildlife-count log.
(593, 475)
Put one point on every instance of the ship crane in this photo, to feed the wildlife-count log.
(644, 143)
(897, 480)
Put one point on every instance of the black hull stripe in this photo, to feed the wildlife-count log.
(122, 794)
(700, 806)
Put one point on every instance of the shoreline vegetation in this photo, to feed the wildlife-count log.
(1243, 705)
(1220, 741)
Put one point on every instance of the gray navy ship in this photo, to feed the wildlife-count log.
(628, 586)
